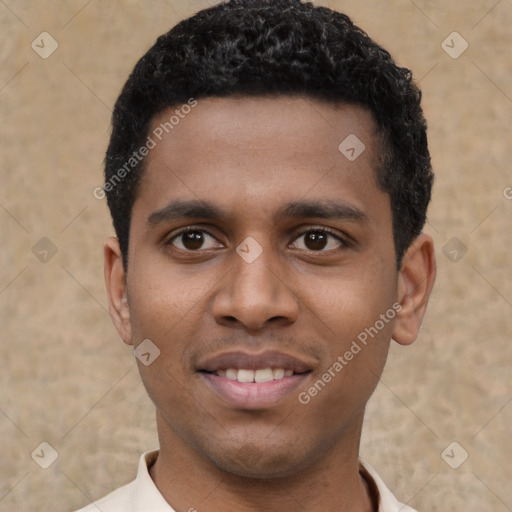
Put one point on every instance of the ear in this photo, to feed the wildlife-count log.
(415, 281)
(115, 280)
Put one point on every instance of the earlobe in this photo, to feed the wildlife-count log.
(115, 281)
(415, 281)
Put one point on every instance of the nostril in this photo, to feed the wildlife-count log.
(275, 319)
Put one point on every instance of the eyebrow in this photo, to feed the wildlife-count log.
(179, 210)
(323, 209)
(194, 209)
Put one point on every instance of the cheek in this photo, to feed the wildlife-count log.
(352, 301)
(162, 301)
(158, 312)
(356, 320)
(167, 308)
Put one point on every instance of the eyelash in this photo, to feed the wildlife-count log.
(344, 243)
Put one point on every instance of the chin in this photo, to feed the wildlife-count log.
(260, 463)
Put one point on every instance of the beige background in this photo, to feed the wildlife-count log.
(66, 379)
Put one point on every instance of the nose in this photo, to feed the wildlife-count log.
(254, 295)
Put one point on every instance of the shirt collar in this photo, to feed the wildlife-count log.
(146, 496)
(386, 499)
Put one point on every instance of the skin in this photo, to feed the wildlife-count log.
(250, 157)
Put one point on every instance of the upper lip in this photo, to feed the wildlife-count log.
(246, 361)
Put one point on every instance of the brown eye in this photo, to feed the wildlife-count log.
(315, 240)
(193, 240)
(318, 240)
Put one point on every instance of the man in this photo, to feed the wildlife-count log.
(268, 177)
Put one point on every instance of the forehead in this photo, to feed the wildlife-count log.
(252, 153)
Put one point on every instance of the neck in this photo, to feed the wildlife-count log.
(189, 482)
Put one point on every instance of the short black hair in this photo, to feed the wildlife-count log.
(268, 48)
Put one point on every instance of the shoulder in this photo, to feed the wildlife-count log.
(386, 499)
(129, 497)
(119, 500)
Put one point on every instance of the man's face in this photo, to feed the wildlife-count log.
(289, 257)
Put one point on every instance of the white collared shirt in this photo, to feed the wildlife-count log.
(142, 495)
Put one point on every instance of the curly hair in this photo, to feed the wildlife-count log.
(276, 47)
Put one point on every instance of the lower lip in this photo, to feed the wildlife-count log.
(254, 395)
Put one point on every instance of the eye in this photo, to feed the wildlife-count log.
(192, 239)
(318, 240)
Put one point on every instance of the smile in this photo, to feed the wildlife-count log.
(254, 381)
(263, 375)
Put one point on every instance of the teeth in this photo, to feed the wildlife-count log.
(231, 374)
(263, 375)
(278, 373)
(245, 375)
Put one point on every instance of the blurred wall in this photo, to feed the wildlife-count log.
(67, 379)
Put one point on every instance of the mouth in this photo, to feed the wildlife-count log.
(261, 375)
(254, 381)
